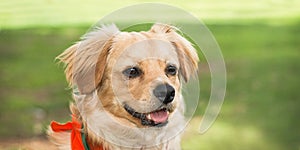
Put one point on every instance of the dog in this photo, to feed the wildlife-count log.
(127, 89)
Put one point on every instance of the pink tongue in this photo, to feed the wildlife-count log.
(159, 116)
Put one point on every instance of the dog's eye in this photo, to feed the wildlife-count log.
(171, 70)
(132, 72)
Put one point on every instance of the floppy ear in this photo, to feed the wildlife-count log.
(86, 60)
(187, 55)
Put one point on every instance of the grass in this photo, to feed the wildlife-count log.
(33, 13)
(261, 99)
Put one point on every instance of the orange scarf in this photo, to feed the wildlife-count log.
(78, 141)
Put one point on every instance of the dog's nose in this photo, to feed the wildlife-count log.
(165, 93)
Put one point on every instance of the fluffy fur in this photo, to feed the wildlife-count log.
(94, 69)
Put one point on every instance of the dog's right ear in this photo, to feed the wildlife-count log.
(67, 57)
(86, 60)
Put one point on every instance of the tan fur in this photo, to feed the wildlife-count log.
(94, 70)
(83, 68)
(60, 139)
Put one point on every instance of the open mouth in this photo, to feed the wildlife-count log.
(157, 118)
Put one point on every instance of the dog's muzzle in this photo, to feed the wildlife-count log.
(159, 117)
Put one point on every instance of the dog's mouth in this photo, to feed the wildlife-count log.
(156, 118)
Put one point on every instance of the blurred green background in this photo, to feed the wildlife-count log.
(260, 41)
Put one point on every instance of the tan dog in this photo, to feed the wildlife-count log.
(127, 88)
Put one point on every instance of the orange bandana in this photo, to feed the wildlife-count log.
(78, 141)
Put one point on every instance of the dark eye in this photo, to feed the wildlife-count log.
(132, 72)
(171, 70)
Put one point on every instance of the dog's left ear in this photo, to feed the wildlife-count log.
(187, 54)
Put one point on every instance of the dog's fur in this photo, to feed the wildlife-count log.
(94, 69)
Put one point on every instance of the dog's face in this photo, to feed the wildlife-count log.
(137, 75)
(143, 72)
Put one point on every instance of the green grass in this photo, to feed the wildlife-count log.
(33, 13)
(260, 109)
(262, 98)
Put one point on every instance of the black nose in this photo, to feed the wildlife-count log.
(165, 93)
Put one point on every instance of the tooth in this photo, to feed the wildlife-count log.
(148, 116)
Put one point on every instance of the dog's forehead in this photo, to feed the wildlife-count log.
(138, 48)
(151, 48)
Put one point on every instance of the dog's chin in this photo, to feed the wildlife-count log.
(156, 118)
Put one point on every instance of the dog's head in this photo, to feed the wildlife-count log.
(137, 75)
